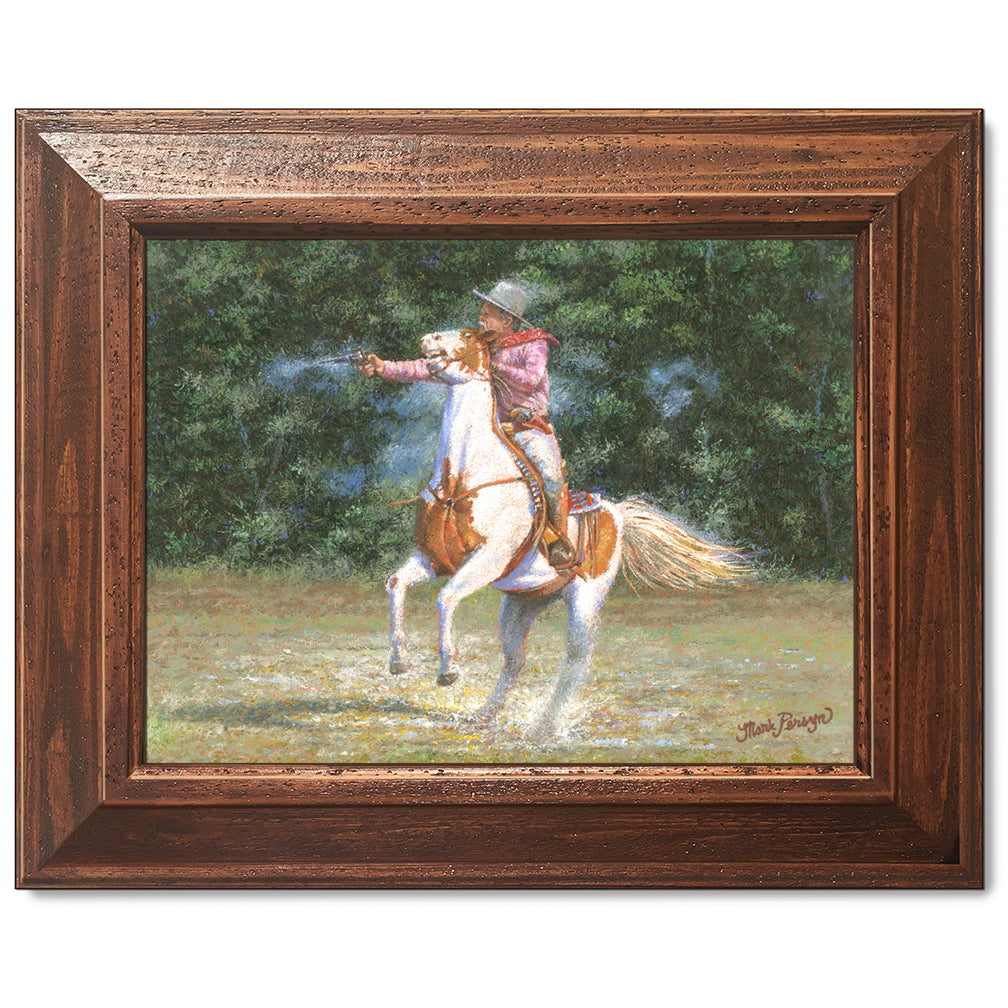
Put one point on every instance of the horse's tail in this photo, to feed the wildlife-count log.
(658, 553)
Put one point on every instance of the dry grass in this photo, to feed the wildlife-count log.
(274, 669)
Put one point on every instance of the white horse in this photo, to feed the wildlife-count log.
(476, 524)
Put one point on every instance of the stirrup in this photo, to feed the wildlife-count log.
(560, 555)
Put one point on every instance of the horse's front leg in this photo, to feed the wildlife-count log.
(417, 569)
(482, 567)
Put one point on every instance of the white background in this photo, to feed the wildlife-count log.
(526, 948)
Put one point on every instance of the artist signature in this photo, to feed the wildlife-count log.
(775, 725)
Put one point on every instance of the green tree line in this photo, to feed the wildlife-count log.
(712, 376)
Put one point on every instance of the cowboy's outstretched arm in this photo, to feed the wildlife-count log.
(402, 371)
(373, 366)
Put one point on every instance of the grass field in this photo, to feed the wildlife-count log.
(268, 669)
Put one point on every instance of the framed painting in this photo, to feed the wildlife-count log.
(284, 489)
(770, 352)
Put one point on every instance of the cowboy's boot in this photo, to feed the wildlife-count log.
(559, 552)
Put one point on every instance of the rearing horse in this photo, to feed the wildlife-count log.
(476, 523)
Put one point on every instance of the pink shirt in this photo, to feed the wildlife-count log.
(519, 370)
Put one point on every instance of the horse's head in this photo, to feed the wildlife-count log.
(456, 355)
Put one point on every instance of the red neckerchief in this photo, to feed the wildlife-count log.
(525, 336)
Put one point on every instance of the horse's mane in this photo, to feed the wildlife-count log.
(481, 342)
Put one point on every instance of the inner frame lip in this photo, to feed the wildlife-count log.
(672, 782)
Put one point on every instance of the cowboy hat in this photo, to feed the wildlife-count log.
(509, 297)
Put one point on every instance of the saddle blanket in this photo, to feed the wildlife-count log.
(582, 500)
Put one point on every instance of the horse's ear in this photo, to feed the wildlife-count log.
(469, 335)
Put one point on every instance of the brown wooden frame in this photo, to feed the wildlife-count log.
(92, 186)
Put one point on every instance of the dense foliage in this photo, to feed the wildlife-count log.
(714, 377)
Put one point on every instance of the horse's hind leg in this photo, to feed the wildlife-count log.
(415, 570)
(517, 614)
(583, 603)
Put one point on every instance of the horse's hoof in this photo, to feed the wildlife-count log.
(479, 719)
(399, 667)
(541, 732)
(447, 678)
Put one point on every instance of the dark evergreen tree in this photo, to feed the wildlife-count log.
(714, 377)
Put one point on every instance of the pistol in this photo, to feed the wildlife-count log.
(355, 358)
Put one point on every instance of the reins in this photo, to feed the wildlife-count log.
(450, 502)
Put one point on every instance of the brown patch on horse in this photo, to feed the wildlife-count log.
(605, 540)
(429, 531)
(443, 529)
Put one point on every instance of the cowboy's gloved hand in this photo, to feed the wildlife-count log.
(435, 365)
(373, 367)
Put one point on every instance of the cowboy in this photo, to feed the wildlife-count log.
(518, 359)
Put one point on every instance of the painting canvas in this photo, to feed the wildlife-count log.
(705, 386)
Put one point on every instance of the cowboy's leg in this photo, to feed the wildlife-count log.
(418, 568)
(544, 452)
